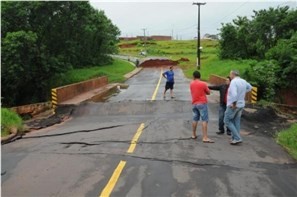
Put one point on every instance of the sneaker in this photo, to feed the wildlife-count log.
(235, 142)
(228, 132)
(220, 132)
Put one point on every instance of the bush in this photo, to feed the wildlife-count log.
(9, 119)
(264, 76)
(278, 72)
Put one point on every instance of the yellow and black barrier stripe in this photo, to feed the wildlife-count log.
(254, 94)
(54, 99)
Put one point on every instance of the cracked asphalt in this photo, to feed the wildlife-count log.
(78, 157)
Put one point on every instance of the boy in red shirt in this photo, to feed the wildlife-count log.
(199, 90)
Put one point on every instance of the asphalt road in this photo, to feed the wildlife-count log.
(92, 154)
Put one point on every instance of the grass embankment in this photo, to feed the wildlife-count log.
(9, 119)
(176, 49)
(115, 73)
(288, 139)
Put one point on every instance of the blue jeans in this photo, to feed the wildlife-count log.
(222, 110)
(232, 121)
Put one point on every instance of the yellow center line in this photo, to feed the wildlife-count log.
(157, 87)
(135, 138)
(141, 127)
(113, 180)
(117, 172)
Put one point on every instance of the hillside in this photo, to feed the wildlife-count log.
(186, 50)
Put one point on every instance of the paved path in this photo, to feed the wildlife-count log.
(92, 154)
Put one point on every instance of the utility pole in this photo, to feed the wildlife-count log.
(144, 38)
(198, 35)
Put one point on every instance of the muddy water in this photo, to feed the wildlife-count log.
(104, 97)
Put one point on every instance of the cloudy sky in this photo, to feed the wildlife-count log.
(178, 18)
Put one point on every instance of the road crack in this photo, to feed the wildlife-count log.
(253, 166)
(208, 162)
(74, 132)
(124, 142)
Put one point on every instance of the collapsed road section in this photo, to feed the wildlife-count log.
(156, 62)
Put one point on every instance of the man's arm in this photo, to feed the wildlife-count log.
(248, 87)
(215, 87)
(164, 75)
(207, 91)
(232, 91)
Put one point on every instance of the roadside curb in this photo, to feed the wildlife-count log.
(128, 59)
(8, 138)
(132, 73)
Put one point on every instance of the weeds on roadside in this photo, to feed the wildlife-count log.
(288, 139)
(9, 119)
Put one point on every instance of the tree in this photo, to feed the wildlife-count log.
(269, 37)
(228, 43)
(18, 54)
(253, 38)
(44, 39)
(278, 72)
(285, 54)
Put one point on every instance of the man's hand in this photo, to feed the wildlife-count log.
(233, 106)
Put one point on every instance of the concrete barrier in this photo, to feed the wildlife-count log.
(32, 109)
(254, 95)
(69, 91)
(216, 80)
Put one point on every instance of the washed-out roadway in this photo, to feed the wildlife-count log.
(79, 157)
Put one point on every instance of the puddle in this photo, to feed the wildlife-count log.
(107, 95)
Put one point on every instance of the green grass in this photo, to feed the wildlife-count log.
(9, 119)
(288, 139)
(115, 73)
(176, 49)
(218, 67)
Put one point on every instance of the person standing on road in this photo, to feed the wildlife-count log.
(199, 90)
(235, 104)
(137, 62)
(169, 75)
(223, 102)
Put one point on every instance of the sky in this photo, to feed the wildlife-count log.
(179, 18)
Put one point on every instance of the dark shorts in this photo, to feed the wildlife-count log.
(169, 85)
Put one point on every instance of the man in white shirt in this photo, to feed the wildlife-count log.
(235, 104)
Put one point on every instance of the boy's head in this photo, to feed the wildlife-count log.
(196, 74)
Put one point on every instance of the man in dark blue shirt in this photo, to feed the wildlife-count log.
(223, 101)
(169, 75)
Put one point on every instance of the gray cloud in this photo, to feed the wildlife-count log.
(179, 18)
